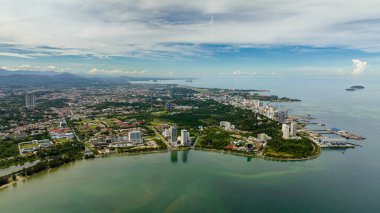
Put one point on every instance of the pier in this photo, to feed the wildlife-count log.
(334, 143)
(339, 132)
(346, 134)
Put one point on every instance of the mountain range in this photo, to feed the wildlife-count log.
(22, 78)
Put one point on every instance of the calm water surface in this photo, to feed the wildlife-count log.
(337, 181)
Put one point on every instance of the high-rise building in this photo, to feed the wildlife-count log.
(30, 101)
(135, 136)
(185, 137)
(281, 115)
(285, 131)
(173, 134)
(293, 129)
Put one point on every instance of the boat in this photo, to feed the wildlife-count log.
(321, 124)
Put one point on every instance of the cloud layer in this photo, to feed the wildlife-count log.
(118, 72)
(171, 28)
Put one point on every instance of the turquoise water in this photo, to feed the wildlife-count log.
(195, 181)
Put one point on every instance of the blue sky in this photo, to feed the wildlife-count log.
(191, 38)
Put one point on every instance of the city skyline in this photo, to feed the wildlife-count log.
(171, 39)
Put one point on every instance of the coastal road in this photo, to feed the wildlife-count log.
(86, 145)
(162, 138)
(195, 142)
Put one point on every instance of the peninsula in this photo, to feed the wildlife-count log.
(60, 125)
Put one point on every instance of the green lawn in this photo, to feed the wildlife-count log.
(215, 137)
(29, 145)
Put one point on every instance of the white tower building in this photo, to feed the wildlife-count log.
(185, 137)
(285, 131)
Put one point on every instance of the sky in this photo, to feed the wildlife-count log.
(174, 38)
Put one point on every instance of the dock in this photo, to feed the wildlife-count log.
(346, 134)
(350, 136)
(339, 132)
(337, 146)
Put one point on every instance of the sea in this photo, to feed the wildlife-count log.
(339, 180)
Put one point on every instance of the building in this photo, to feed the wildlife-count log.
(285, 131)
(293, 129)
(173, 134)
(169, 106)
(227, 125)
(30, 101)
(263, 137)
(135, 136)
(62, 124)
(120, 144)
(185, 138)
(34, 145)
(281, 115)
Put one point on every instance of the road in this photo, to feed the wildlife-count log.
(162, 138)
(195, 142)
(87, 147)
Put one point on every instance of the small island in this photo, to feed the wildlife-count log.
(355, 87)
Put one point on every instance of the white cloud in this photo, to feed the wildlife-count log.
(139, 28)
(28, 67)
(340, 71)
(17, 55)
(117, 72)
(359, 66)
(238, 72)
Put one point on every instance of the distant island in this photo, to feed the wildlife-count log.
(354, 88)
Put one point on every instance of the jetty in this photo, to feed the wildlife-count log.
(339, 132)
(334, 143)
(346, 134)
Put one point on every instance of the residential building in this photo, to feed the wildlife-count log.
(135, 136)
(281, 115)
(293, 129)
(185, 137)
(285, 131)
(173, 134)
(62, 124)
(226, 125)
(30, 101)
(169, 106)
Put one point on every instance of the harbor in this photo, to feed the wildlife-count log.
(327, 138)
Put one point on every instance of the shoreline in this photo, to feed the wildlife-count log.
(254, 155)
(13, 182)
(220, 151)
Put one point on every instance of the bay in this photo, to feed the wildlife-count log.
(337, 181)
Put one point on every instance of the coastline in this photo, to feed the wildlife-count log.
(316, 154)
(13, 182)
(220, 151)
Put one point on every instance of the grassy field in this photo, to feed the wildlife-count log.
(215, 137)
(62, 140)
(29, 145)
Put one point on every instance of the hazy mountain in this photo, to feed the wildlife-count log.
(4, 72)
(50, 78)
(58, 79)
